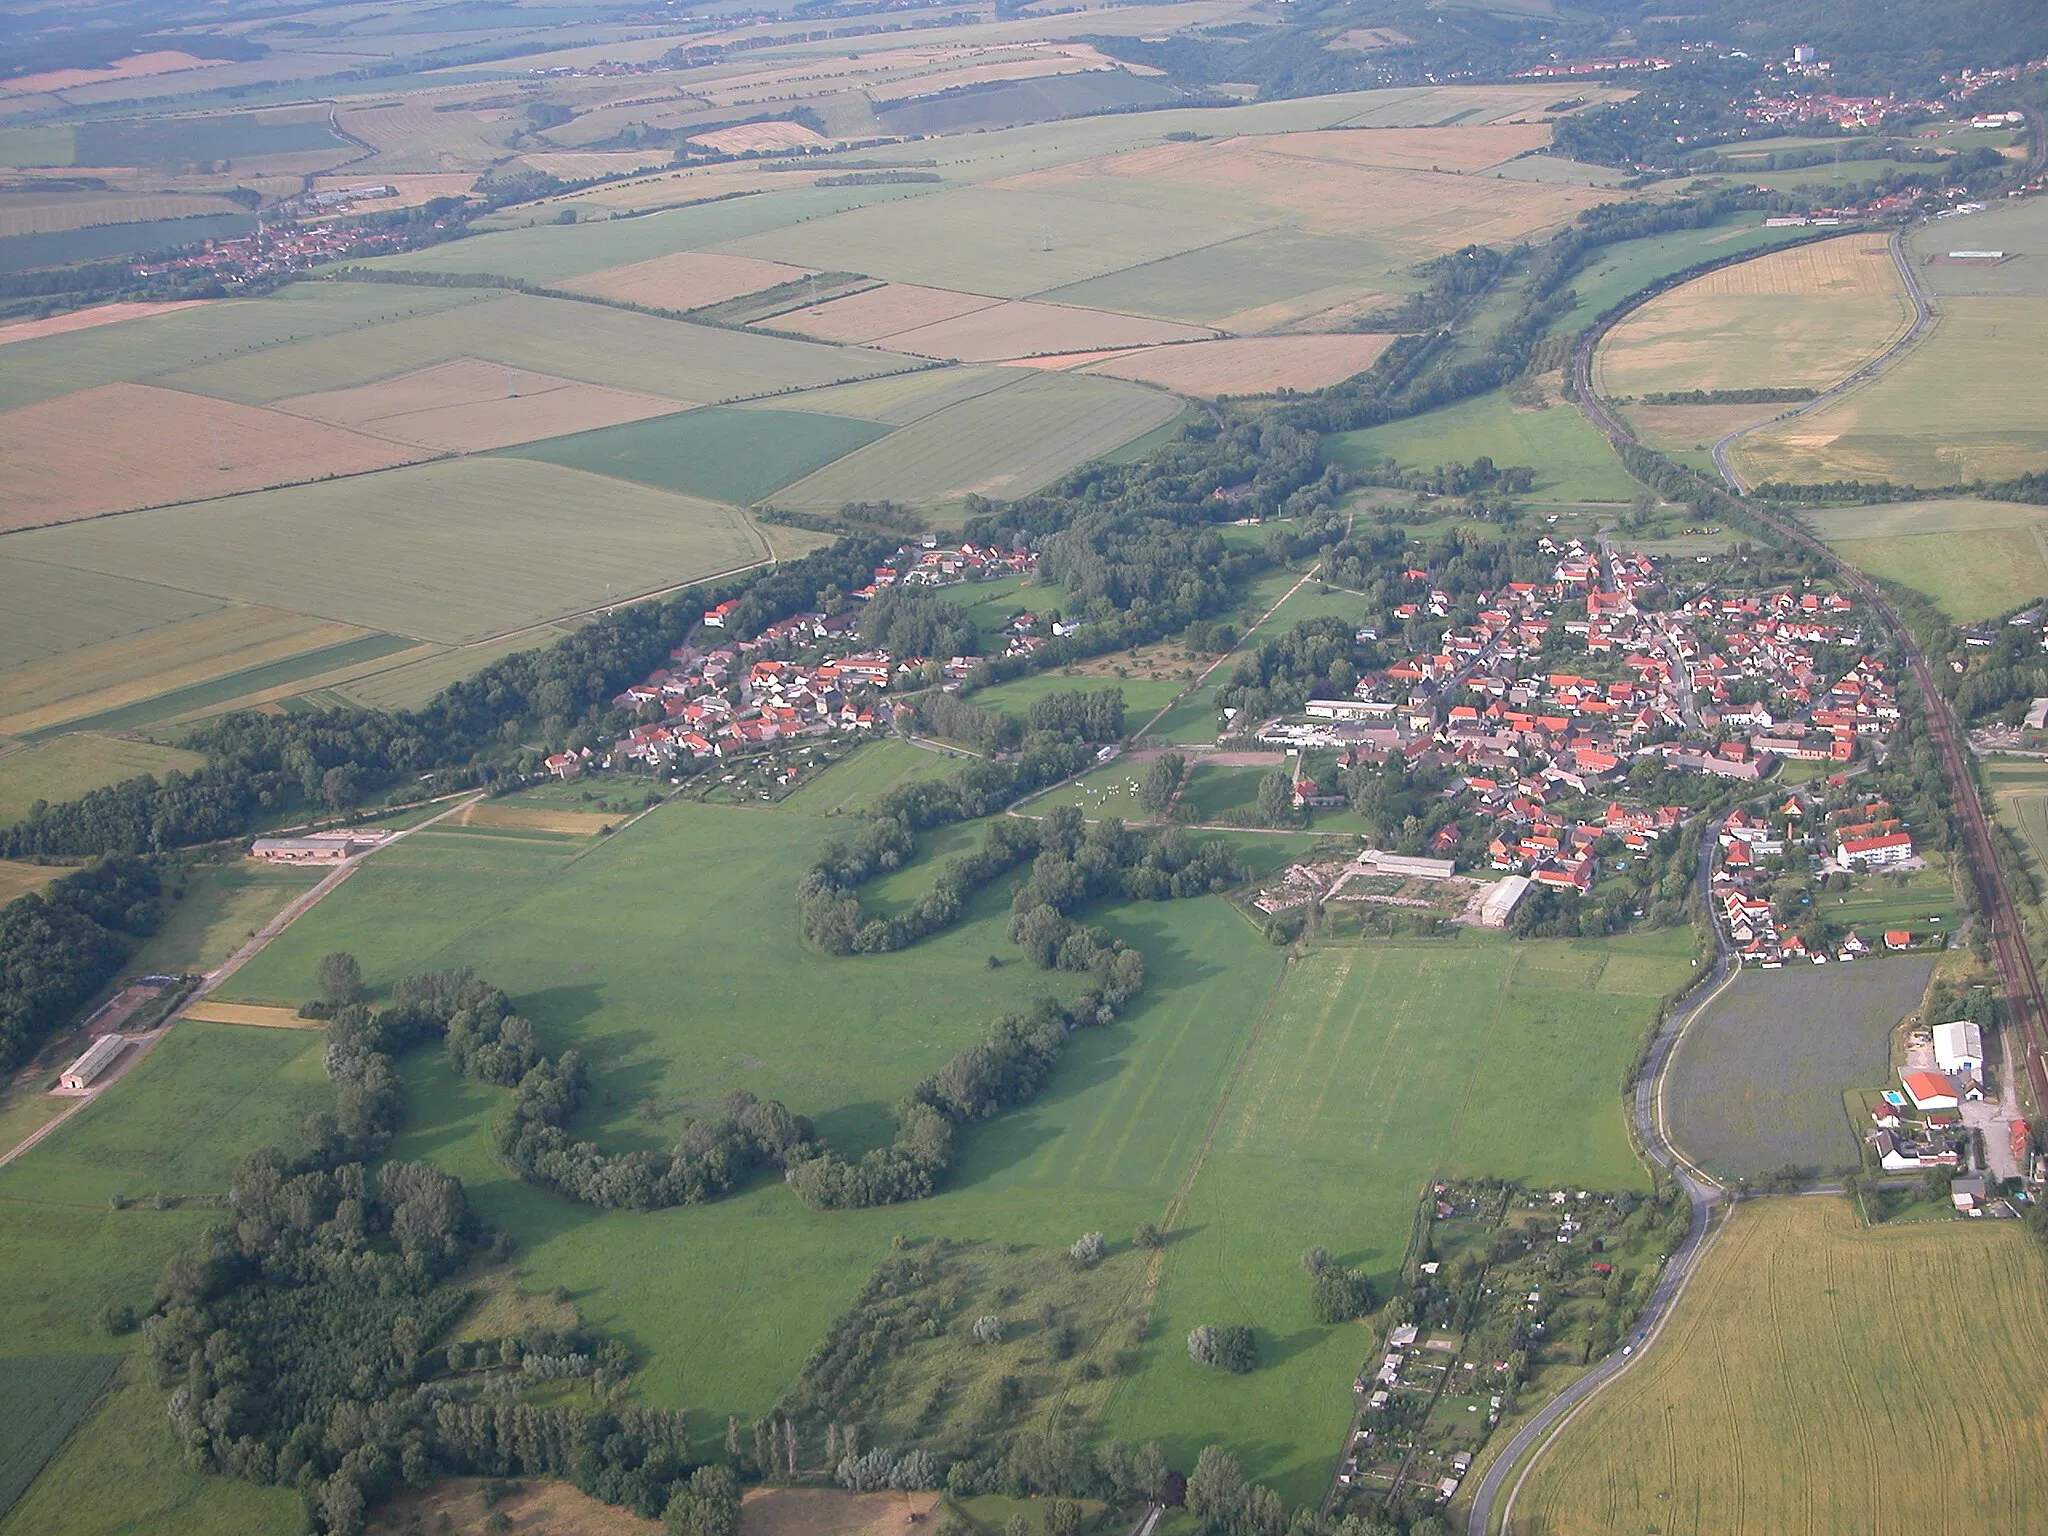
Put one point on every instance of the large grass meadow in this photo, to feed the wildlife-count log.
(669, 954)
(1378, 1067)
(1800, 1388)
(1572, 461)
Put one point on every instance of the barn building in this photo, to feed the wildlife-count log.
(1959, 1048)
(98, 1056)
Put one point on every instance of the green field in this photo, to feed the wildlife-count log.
(174, 140)
(1572, 460)
(1143, 696)
(592, 342)
(548, 253)
(384, 551)
(235, 685)
(410, 684)
(1213, 792)
(1977, 559)
(1783, 1394)
(2019, 794)
(50, 609)
(136, 349)
(42, 1400)
(1378, 1066)
(1211, 284)
(721, 455)
(214, 909)
(897, 399)
(1922, 901)
(2019, 227)
(67, 768)
(1007, 443)
(181, 1118)
(873, 771)
(101, 242)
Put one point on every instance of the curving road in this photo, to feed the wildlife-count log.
(1502, 1481)
(1923, 316)
(2020, 981)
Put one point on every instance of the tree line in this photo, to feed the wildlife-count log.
(59, 946)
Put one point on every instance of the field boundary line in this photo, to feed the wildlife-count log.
(1139, 733)
(1658, 1121)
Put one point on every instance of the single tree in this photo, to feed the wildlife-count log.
(1216, 1489)
(988, 1329)
(341, 978)
(1089, 1250)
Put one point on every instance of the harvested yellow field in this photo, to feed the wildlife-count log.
(53, 211)
(497, 815)
(1816, 1378)
(868, 316)
(1462, 148)
(156, 661)
(20, 879)
(574, 165)
(829, 1512)
(1955, 408)
(124, 446)
(758, 136)
(686, 280)
(89, 319)
(1805, 317)
(256, 1015)
(1022, 328)
(1688, 428)
(1063, 362)
(468, 406)
(135, 67)
(1326, 309)
(1078, 59)
(1249, 365)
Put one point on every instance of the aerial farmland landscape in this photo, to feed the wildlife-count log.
(1175, 767)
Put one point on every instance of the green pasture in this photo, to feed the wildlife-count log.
(669, 954)
(1573, 462)
(854, 784)
(550, 252)
(178, 140)
(180, 1119)
(42, 1400)
(137, 349)
(1143, 695)
(213, 910)
(1315, 601)
(696, 364)
(66, 768)
(446, 551)
(1214, 791)
(121, 1469)
(719, 454)
(1974, 575)
(43, 144)
(1008, 443)
(1213, 282)
(1194, 717)
(1111, 790)
(1379, 1067)
(1922, 901)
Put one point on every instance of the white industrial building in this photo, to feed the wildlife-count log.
(98, 1056)
(1959, 1049)
(1498, 909)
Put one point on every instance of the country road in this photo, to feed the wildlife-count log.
(2020, 982)
(1923, 316)
(258, 941)
(1702, 1194)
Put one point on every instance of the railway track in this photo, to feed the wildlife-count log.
(2019, 978)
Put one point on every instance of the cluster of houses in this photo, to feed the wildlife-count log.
(1859, 836)
(276, 251)
(804, 676)
(1722, 684)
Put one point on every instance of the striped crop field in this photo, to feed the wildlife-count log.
(1815, 1379)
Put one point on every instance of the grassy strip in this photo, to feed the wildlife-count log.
(222, 690)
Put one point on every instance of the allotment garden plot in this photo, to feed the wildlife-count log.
(1758, 1080)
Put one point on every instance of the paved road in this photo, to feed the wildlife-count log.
(144, 1044)
(1923, 316)
(1501, 1481)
